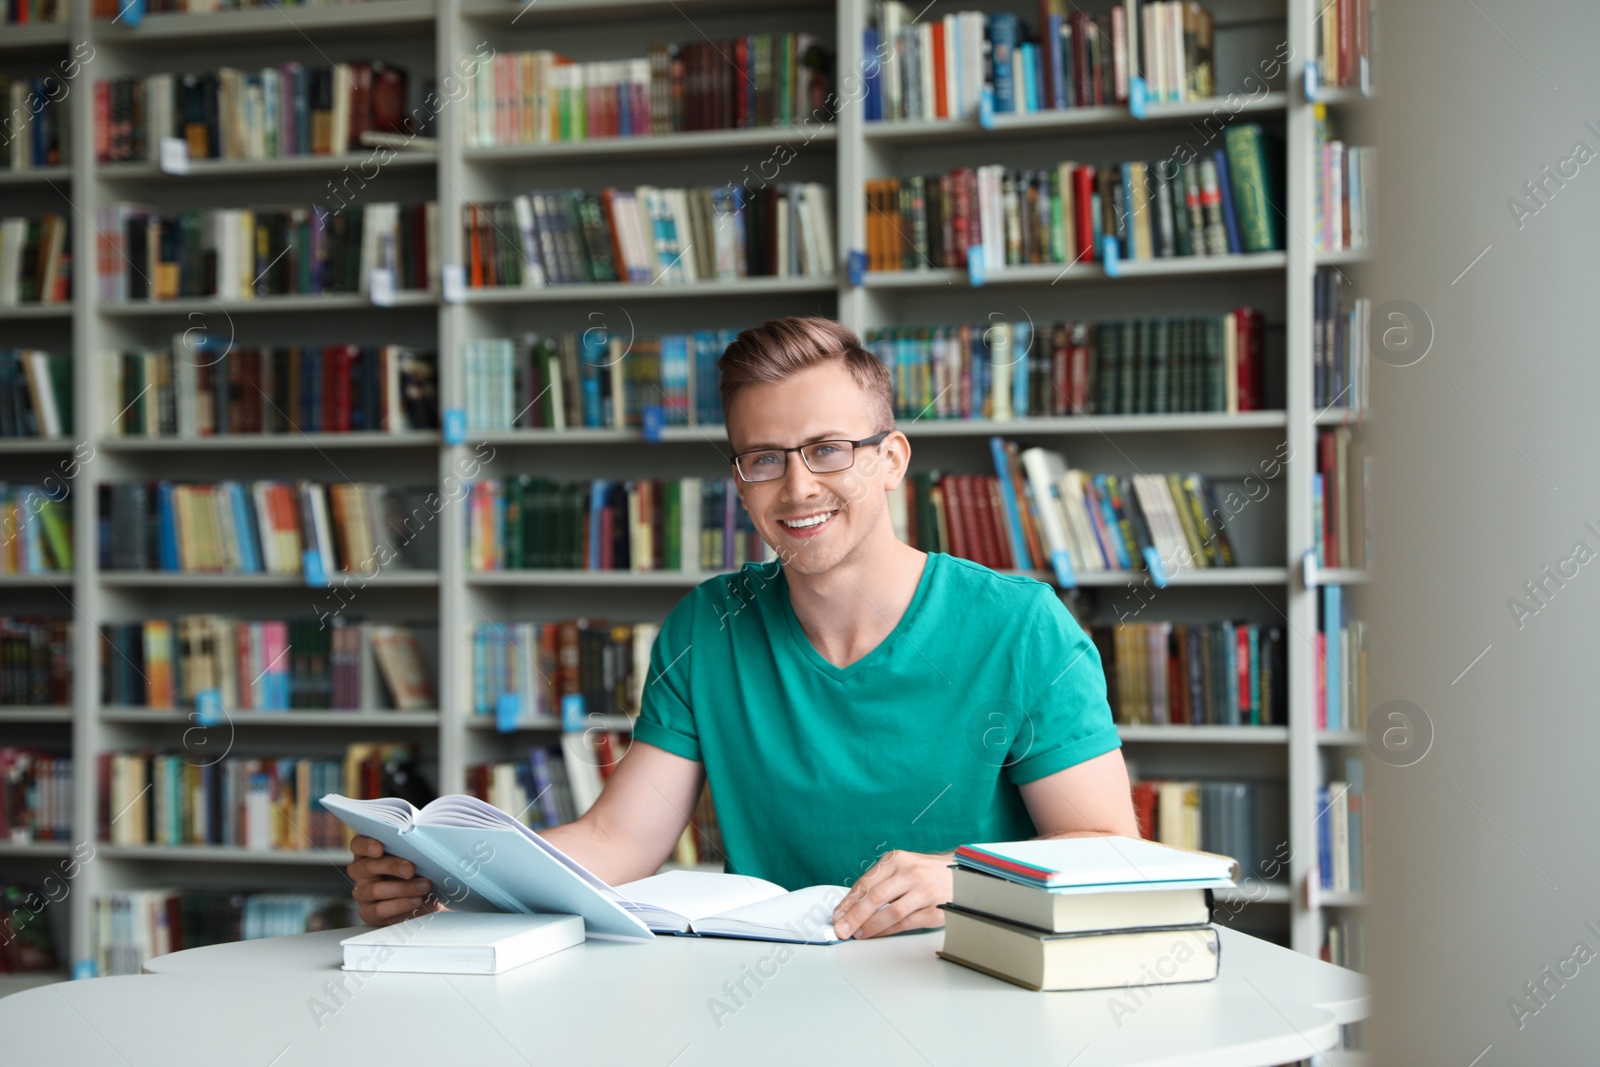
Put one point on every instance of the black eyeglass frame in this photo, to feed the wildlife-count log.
(875, 439)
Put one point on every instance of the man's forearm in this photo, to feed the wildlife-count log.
(610, 860)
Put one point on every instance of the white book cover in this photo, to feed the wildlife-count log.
(732, 905)
(1099, 861)
(452, 942)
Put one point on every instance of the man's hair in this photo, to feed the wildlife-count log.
(779, 348)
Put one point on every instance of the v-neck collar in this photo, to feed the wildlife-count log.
(880, 650)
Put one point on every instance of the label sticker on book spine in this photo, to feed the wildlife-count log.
(208, 707)
(975, 273)
(174, 153)
(453, 281)
(856, 267)
(311, 564)
(1138, 96)
(380, 286)
(1152, 563)
(85, 969)
(572, 712)
(652, 419)
(1308, 569)
(1311, 80)
(455, 426)
(507, 712)
(1111, 256)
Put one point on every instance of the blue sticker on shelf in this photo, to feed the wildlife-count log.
(652, 419)
(975, 274)
(1366, 77)
(208, 707)
(85, 969)
(1308, 569)
(1061, 562)
(455, 426)
(986, 109)
(1152, 563)
(131, 13)
(311, 564)
(1138, 97)
(572, 712)
(856, 267)
(1311, 80)
(1111, 256)
(507, 712)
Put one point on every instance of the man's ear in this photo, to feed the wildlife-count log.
(896, 450)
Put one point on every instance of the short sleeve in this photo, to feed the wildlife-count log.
(1068, 720)
(666, 719)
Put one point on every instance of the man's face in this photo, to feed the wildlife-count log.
(815, 521)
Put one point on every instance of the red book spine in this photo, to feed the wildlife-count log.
(941, 99)
(1241, 635)
(1083, 205)
(1320, 672)
(949, 488)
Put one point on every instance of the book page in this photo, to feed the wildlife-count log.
(696, 894)
(804, 915)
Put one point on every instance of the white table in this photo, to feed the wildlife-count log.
(888, 1002)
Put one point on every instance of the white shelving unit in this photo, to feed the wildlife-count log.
(427, 36)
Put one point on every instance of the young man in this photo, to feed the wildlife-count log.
(860, 708)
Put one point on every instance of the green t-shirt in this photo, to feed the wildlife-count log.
(816, 770)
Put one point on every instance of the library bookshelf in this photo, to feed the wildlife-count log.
(428, 36)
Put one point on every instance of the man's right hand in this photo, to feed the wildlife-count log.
(387, 887)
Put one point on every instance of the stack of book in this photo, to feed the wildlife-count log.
(35, 529)
(243, 253)
(939, 68)
(1085, 913)
(650, 236)
(283, 528)
(36, 118)
(593, 379)
(36, 657)
(540, 97)
(1224, 203)
(203, 388)
(1343, 189)
(35, 393)
(35, 261)
(134, 925)
(1220, 673)
(1004, 370)
(35, 795)
(265, 664)
(687, 524)
(271, 113)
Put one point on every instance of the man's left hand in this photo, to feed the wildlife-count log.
(902, 891)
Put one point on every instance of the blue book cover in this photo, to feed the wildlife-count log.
(245, 525)
(1058, 73)
(1008, 499)
(1003, 33)
(1324, 839)
(1021, 343)
(1332, 625)
(1113, 527)
(597, 507)
(872, 97)
(1230, 669)
(166, 529)
(1255, 675)
(1230, 218)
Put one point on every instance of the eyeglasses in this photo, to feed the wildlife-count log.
(820, 457)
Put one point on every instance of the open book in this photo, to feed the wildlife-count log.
(732, 905)
(478, 858)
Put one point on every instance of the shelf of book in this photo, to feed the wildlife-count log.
(699, 141)
(1052, 273)
(35, 311)
(407, 439)
(1218, 735)
(759, 286)
(37, 38)
(1213, 576)
(1256, 892)
(1338, 576)
(199, 169)
(1070, 120)
(294, 719)
(1347, 97)
(339, 580)
(24, 445)
(1343, 257)
(18, 713)
(337, 858)
(1331, 899)
(549, 724)
(558, 12)
(276, 24)
(1341, 738)
(265, 305)
(42, 849)
(59, 579)
(1342, 416)
(39, 175)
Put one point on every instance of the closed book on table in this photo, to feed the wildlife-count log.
(1073, 910)
(1091, 960)
(459, 942)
